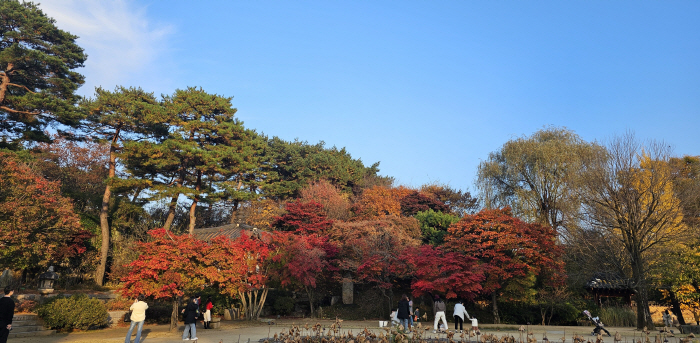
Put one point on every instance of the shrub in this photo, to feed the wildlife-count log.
(284, 305)
(25, 306)
(158, 314)
(77, 312)
(618, 316)
(521, 313)
(119, 304)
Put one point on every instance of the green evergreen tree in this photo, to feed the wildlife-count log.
(292, 165)
(115, 117)
(433, 225)
(206, 152)
(37, 77)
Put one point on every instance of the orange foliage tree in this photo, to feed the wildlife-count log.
(510, 250)
(240, 268)
(371, 250)
(335, 203)
(37, 224)
(379, 201)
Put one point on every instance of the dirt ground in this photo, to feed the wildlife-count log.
(243, 331)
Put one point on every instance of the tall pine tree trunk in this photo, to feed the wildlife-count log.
(171, 212)
(195, 200)
(104, 214)
(173, 202)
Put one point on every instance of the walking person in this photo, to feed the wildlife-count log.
(191, 313)
(7, 311)
(459, 313)
(439, 309)
(138, 317)
(410, 313)
(667, 319)
(403, 312)
(207, 312)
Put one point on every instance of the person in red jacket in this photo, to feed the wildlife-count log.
(207, 313)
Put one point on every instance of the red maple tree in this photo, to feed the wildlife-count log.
(301, 261)
(303, 217)
(509, 249)
(168, 266)
(240, 268)
(438, 271)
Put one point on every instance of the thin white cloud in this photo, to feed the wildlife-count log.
(124, 47)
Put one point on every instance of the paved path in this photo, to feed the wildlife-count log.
(243, 331)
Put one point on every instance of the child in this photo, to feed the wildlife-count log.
(475, 324)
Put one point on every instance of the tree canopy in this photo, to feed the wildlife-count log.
(37, 74)
(37, 224)
(536, 176)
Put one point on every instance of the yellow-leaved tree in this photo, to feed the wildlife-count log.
(633, 213)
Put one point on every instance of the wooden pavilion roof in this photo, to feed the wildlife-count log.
(231, 231)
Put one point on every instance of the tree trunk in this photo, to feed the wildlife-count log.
(193, 207)
(173, 204)
(171, 212)
(193, 218)
(252, 302)
(676, 308)
(494, 309)
(234, 212)
(137, 192)
(261, 304)
(104, 214)
(173, 315)
(244, 304)
(643, 313)
(311, 299)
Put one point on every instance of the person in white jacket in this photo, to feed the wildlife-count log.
(138, 316)
(459, 313)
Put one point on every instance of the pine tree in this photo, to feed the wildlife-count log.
(37, 77)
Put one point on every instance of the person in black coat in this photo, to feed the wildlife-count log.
(7, 311)
(404, 311)
(191, 313)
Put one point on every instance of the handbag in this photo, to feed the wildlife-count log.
(127, 317)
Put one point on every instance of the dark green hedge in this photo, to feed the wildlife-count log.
(76, 312)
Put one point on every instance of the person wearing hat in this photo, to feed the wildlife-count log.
(191, 312)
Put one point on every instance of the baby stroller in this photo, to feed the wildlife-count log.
(598, 324)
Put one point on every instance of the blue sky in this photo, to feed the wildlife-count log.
(427, 88)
